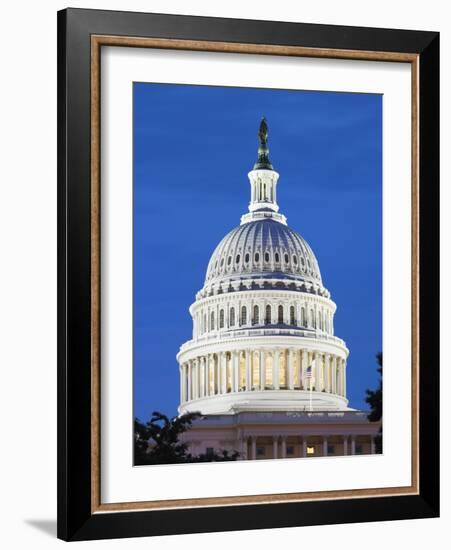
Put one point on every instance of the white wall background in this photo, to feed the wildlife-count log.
(28, 269)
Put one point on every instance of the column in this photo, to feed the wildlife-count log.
(223, 387)
(334, 374)
(353, 445)
(211, 372)
(324, 446)
(201, 377)
(317, 371)
(304, 447)
(189, 397)
(217, 373)
(344, 377)
(341, 376)
(235, 377)
(372, 445)
(345, 444)
(275, 444)
(207, 377)
(243, 445)
(303, 368)
(327, 372)
(275, 369)
(196, 379)
(253, 447)
(299, 366)
(182, 383)
(320, 363)
(248, 371)
(290, 370)
(284, 447)
(262, 369)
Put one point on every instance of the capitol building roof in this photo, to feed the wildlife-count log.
(263, 248)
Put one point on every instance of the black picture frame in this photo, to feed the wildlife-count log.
(76, 521)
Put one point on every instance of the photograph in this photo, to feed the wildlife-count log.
(248, 273)
(257, 274)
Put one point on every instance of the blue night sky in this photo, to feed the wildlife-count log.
(193, 148)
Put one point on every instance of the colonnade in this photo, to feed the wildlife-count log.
(262, 369)
(251, 313)
(304, 446)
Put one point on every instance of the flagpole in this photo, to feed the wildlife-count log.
(311, 380)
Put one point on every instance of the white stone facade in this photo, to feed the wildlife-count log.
(263, 323)
(266, 435)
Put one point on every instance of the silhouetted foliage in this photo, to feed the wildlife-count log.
(374, 400)
(157, 441)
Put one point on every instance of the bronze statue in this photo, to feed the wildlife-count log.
(263, 132)
(263, 162)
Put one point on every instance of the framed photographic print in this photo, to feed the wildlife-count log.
(248, 274)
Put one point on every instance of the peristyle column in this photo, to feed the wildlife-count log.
(275, 369)
(275, 444)
(284, 447)
(290, 369)
(235, 377)
(253, 447)
(223, 373)
(324, 446)
(248, 371)
(262, 369)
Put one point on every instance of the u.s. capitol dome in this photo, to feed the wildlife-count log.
(263, 332)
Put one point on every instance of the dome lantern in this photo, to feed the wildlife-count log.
(263, 179)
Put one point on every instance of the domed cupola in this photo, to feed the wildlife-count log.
(263, 323)
(263, 250)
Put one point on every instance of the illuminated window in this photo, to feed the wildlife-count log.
(310, 450)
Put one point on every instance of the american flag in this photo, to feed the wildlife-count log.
(308, 372)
